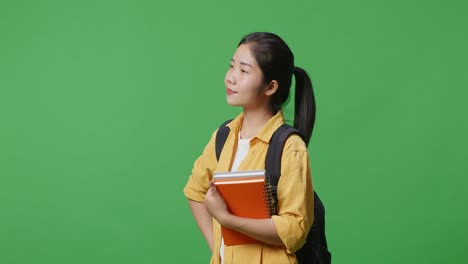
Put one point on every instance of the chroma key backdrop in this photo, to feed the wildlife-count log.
(105, 105)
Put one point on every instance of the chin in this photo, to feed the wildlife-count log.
(233, 102)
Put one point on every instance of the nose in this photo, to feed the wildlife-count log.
(230, 77)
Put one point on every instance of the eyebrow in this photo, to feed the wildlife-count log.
(243, 63)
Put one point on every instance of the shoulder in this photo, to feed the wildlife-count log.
(214, 134)
(294, 143)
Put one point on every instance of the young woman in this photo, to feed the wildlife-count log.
(259, 81)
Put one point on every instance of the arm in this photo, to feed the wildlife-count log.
(260, 229)
(198, 185)
(203, 220)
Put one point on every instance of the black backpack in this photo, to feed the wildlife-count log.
(315, 250)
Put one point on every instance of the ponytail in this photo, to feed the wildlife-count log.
(276, 61)
(304, 106)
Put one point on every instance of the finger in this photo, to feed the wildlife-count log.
(213, 189)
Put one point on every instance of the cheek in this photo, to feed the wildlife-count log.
(255, 85)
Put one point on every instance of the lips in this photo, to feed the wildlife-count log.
(229, 91)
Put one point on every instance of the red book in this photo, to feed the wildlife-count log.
(247, 194)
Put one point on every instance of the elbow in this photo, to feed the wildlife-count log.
(296, 243)
(292, 232)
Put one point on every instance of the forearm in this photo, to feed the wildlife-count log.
(203, 220)
(261, 229)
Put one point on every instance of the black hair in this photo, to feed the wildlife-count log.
(276, 62)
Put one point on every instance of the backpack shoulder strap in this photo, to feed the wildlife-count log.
(274, 153)
(316, 245)
(221, 136)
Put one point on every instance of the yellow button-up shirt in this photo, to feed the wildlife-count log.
(295, 192)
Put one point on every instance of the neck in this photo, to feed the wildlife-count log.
(254, 120)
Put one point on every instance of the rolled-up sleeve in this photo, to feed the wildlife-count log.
(295, 198)
(202, 172)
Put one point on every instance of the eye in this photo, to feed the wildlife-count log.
(231, 66)
(243, 71)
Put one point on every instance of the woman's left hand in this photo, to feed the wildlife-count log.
(215, 204)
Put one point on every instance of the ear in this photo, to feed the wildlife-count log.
(271, 88)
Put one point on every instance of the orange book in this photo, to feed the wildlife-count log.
(247, 194)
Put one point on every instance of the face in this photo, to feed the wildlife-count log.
(244, 80)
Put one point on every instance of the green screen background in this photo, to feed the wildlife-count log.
(105, 105)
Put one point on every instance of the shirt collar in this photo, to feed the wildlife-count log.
(267, 130)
